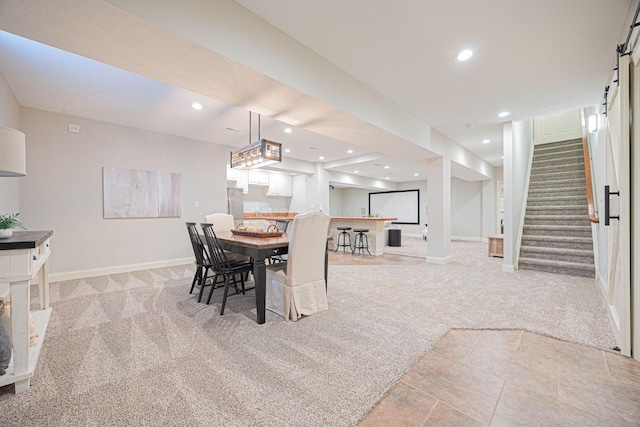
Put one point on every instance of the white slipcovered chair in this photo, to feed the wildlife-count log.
(220, 221)
(297, 288)
(224, 222)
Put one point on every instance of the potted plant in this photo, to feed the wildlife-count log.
(7, 223)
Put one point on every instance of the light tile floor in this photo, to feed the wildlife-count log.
(507, 378)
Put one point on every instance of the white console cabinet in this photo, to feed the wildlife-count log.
(24, 256)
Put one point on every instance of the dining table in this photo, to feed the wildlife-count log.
(259, 249)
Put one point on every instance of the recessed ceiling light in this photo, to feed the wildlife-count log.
(287, 130)
(196, 106)
(464, 55)
(287, 150)
(349, 151)
(416, 174)
(356, 171)
(387, 178)
(386, 167)
(321, 158)
(486, 141)
(503, 114)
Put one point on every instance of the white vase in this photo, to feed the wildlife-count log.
(5, 234)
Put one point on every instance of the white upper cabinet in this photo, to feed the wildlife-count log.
(258, 177)
(232, 174)
(242, 181)
(280, 186)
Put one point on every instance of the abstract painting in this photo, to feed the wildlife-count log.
(130, 193)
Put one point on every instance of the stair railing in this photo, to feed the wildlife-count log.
(587, 171)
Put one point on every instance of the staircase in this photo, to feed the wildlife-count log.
(556, 235)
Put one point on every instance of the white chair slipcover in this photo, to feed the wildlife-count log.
(297, 288)
(220, 221)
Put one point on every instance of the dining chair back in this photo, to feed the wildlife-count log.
(282, 224)
(223, 266)
(297, 288)
(202, 261)
(221, 221)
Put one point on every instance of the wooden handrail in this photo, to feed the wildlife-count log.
(587, 171)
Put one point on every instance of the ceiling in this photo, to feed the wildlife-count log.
(558, 58)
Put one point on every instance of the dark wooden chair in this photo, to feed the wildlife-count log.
(222, 266)
(203, 263)
(281, 225)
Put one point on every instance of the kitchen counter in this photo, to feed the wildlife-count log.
(375, 234)
(271, 216)
(357, 218)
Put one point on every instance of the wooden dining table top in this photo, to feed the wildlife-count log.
(253, 242)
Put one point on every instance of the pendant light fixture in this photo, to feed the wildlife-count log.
(257, 154)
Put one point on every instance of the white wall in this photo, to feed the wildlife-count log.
(518, 142)
(466, 208)
(335, 202)
(353, 199)
(63, 191)
(9, 117)
(598, 152)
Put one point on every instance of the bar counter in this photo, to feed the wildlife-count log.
(375, 234)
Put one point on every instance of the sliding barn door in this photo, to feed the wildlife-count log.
(619, 231)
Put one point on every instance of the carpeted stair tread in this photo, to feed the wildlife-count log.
(578, 255)
(574, 208)
(570, 153)
(554, 190)
(565, 242)
(560, 267)
(556, 176)
(563, 200)
(559, 251)
(565, 219)
(575, 166)
(560, 145)
(558, 182)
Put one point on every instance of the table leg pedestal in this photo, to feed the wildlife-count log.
(260, 277)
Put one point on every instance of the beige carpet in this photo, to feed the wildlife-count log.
(136, 349)
(411, 246)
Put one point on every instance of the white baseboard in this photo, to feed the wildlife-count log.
(438, 260)
(467, 238)
(82, 274)
(508, 268)
(412, 235)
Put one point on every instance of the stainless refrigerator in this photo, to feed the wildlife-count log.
(235, 204)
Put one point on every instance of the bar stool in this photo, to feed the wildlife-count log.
(361, 240)
(344, 236)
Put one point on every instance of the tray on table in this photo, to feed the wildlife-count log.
(271, 233)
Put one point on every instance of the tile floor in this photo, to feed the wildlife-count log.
(507, 378)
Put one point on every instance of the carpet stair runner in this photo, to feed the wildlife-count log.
(556, 236)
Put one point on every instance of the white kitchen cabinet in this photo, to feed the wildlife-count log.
(232, 174)
(280, 186)
(258, 177)
(242, 181)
